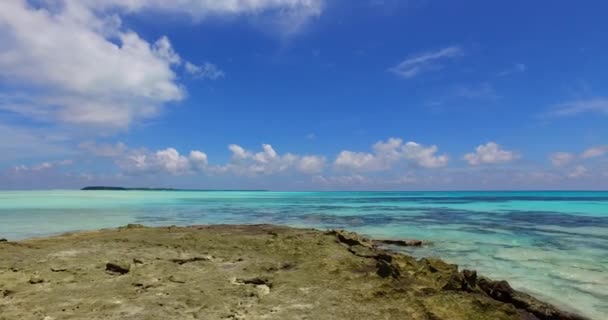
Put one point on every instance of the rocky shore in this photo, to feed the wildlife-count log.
(244, 272)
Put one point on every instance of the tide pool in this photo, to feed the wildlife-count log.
(551, 244)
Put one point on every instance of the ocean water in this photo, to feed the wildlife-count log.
(551, 244)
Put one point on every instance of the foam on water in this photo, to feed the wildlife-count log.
(551, 244)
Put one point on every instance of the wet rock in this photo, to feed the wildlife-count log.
(132, 226)
(470, 280)
(463, 281)
(502, 291)
(118, 268)
(402, 243)
(350, 238)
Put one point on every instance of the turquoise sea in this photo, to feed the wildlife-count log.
(551, 244)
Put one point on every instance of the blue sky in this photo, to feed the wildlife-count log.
(304, 94)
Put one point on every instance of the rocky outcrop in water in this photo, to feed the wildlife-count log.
(243, 272)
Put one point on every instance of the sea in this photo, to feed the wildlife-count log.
(553, 245)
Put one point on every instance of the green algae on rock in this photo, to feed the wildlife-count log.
(243, 272)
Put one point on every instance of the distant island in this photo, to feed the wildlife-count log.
(106, 188)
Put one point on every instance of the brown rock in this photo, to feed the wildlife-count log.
(36, 280)
(402, 243)
(386, 269)
(118, 268)
(351, 238)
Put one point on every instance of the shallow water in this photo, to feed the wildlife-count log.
(551, 244)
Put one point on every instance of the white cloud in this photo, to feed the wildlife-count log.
(206, 71)
(595, 152)
(490, 153)
(82, 69)
(168, 161)
(387, 153)
(598, 105)
(74, 62)
(283, 16)
(268, 161)
(311, 164)
(579, 171)
(203, 8)
(44, 166)
(425, 62)
(560, 159)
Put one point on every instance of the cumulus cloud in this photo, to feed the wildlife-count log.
(76, 63)
(425, 62)
(489, 153)
(560, 159)
(595, 152)
(167, 161)
(268, 161)
(81, 68)
(387, 153)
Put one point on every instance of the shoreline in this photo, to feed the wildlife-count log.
(388, 281)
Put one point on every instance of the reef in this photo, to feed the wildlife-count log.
(244, 272)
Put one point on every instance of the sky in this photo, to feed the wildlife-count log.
(304, 94)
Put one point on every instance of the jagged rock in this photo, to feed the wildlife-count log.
(118, 268)
(402, 243)
(502, 291)
(386, 269)
(351, 238)
(132, 226)
(436, 265)
(362, 251)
